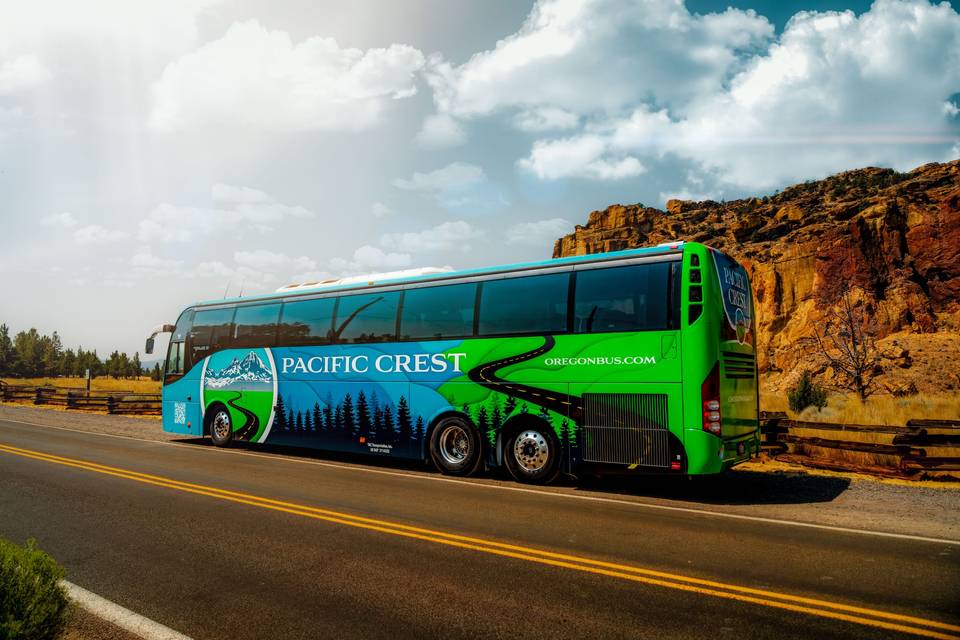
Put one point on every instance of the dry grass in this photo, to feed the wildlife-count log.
(880, 409)
(143, 384)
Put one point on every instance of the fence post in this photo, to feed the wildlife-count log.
(109, 404)
(38, 397)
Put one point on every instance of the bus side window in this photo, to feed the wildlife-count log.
(531, 304)
(632, 298)
(212, 331)
(434, 313)
(256, 325)
(175, 359)
(306, 322)
(367, 318)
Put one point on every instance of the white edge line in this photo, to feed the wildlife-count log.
(483, 485)
(120, 616)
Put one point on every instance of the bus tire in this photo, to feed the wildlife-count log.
(455, 446)
(532, 454)
(219, 425)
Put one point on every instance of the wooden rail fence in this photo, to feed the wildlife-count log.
(114, 402)
(921, 445)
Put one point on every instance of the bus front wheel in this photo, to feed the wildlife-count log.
(455, 447)
(532, 455)
(220, 425)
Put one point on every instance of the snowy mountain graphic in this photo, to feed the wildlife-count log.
(247, 370)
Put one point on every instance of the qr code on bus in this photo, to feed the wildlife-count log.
(180, 413)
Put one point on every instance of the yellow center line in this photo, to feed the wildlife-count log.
(800, 604)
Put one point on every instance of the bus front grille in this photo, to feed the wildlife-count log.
(626, 428)
(738, 365)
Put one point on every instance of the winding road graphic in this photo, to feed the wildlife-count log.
(562, 403)
(252, 424)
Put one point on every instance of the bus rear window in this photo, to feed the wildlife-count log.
(633, 298)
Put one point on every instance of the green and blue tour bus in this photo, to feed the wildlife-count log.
(631, 361)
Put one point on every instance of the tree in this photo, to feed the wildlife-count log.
(847, 345)
(317, 417)
(388, 434)
(136, 365)
(509, 406)
(299, 421)
(6, 351)
(807, 393)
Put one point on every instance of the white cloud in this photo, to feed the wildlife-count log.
(148, 263)
(540, 233)
(380, 210)
(368, 258)
(446, 236)
(599, 55)
(262, 259)
(240, 208)
(96, 234)
(583, 156)
(65, 220)
(457, 175)
(259, 78)
(545, 119)
(23, 73)
(440, 131)
(458, 187)
(835, 91)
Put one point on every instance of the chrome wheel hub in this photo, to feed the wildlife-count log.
(221, 425)
(531, 451)
(454, 444)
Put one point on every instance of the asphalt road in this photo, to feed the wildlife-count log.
(232, 544)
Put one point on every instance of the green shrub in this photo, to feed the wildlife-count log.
(33, 605)
(807, 393)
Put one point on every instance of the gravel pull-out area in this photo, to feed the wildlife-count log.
(774, 490)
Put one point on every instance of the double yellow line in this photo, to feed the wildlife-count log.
(763, 597)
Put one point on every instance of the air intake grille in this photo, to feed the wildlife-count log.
(738, 365)
(626, 428)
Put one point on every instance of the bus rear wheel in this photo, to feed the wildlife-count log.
(532, 455)
(455, 447)
(220, 425)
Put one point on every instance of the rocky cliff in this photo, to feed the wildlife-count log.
(891, 239)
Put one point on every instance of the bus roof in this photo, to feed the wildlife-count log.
(354, 282)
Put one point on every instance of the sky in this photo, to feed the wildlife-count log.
(155, 153)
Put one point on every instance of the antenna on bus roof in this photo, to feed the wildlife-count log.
(227, 288)
(242, 282)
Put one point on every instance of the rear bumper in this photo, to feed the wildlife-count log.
(707, 454)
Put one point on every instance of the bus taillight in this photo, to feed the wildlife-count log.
(710, 397)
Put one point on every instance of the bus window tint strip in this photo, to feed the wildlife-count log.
(534, 304)
(632, 298)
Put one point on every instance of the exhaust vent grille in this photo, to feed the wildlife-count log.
(626, 428)
(739, 365)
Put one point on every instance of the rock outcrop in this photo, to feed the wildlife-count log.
(891, 239)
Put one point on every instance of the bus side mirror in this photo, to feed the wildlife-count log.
(148, 349)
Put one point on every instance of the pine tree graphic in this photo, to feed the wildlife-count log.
(280, 415)
(317, 417)
(388, 434)
(299, 422)
(307, 421)
(349, 419)
(363, 416)
(483, 424)
(404, 423)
